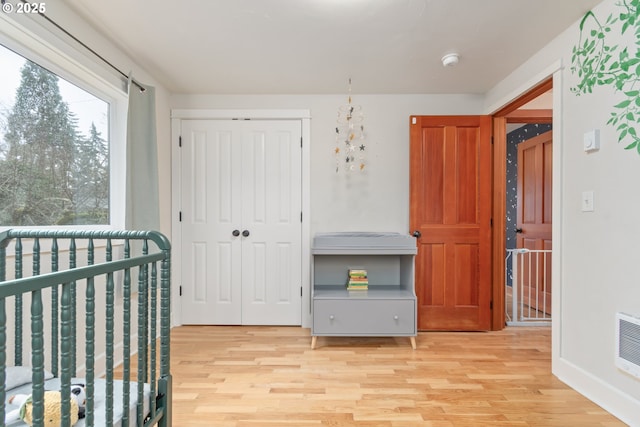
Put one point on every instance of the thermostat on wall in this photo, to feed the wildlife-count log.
(592, 140)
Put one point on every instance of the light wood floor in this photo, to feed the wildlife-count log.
(268, 376)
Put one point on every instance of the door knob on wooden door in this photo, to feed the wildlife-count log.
(417, 234)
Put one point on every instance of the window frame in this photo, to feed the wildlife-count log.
(36, 43)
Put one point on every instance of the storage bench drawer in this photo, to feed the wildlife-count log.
(368, 317)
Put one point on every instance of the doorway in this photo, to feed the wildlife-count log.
(532, 110)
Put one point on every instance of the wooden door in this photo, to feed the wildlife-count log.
(241, 228)
(450, 206)
(534, 223)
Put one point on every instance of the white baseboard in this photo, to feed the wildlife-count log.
(619, 404)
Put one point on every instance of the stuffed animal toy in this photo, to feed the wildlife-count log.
(52, 407)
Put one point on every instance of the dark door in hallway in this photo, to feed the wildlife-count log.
(534, 218)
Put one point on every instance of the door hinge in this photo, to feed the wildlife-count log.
(491, 305)
(491, 222)
(180, 216)
(491, 139)
(300, 142)
(180, 141)
(300, 290)
(300, 216)
(180, 291)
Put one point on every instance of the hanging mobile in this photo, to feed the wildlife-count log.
(350, 137)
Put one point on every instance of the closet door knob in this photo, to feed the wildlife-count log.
(417, 234)
(245, 233)
(236, 233)
(395, 317)
(331, 317)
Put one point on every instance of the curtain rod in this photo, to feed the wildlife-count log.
(81, 43)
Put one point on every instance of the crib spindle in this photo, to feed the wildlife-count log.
(110, 339)
(72, 293)
(66, 347)
(17, 355)
(37, 342)
(153, 341)
(3, 342)
(90, 339)
(145, 323)
(3, 331)
(37, 351)
(3, 261)
(141, 356)
(55, 263)
(165, 315)
(36, 257)
(126, 320)
(165, 384)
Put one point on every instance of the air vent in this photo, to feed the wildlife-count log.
(628, 344)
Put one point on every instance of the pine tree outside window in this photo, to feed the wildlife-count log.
(54, 149)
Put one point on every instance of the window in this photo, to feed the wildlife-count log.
(54, 148)
(92, 95)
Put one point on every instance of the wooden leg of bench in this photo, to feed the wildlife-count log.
(314, 339)
(413, 342)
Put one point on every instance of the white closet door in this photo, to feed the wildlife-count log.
(271, 209)
(210, 188)
(237, 178)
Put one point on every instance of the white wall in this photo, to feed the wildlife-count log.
(376, 200)
(597, 273)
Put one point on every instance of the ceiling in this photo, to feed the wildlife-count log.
(315, 46)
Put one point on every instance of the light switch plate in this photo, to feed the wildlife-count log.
(592, 140)
(587, 201)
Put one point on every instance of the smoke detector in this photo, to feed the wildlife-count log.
(450, 59)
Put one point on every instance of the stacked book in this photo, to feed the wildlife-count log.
(357, 280)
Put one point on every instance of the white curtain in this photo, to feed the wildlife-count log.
(142, 204)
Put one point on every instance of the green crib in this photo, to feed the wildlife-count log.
(96, 305)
